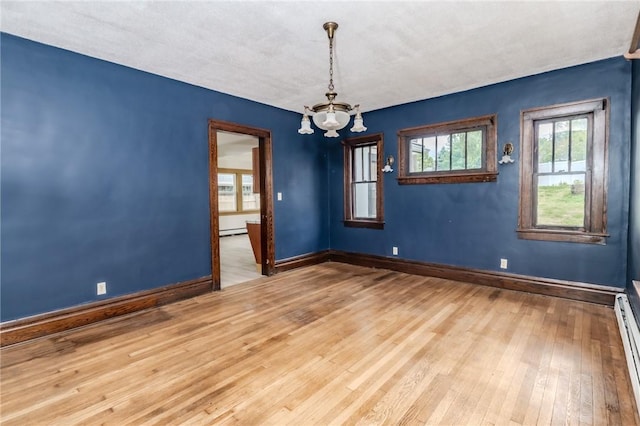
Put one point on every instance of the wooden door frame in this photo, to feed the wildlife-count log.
(266, 195)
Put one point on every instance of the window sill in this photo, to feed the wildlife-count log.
(449, 178)
(564, 236)
(361, 223)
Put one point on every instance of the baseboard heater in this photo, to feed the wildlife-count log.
(630, 340)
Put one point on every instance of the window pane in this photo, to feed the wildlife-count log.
(545, 147)
(458, 152)
(373, 163)
(561, 147)
(444, 152)
(429, 161)
(250, 201)
(415, 165)
(578, 144)
(560, 200)
(365, 162)
(366, 170)
(226, 192)
(474, 149)
(364, 200)
(357, 165)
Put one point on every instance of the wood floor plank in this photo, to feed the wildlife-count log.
(330, 344)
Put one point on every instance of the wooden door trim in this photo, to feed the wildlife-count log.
(266, 195)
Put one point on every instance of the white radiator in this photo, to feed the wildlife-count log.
(630, 340)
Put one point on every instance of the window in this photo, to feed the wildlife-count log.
(363, 182)
(227, 192)
(250, 200)
(563, 173)
(235, 192)
(451, 152)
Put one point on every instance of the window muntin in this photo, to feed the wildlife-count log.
(363, 181)
(563, 173)
(456, 151)
(235, 192)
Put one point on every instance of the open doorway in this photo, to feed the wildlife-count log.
(238, 208)
(240, 195)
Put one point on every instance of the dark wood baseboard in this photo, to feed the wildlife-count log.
(302, 260)
(12, 332)
(585, 292)
(24, 329)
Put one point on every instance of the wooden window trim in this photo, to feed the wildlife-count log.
(595, 230)
(238, 173)
(487, 173)
(348, 146)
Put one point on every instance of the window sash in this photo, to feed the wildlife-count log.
(455, 147)
(565, 172)
(444, 144)
(250, 200)
(364, 166)
(227, 192)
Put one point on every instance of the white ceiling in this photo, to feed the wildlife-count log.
(234, 144)
(387, 52)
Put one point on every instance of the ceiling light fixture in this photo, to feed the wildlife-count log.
(331, 115)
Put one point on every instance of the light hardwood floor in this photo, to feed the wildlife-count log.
(237, 263)
(331, 344)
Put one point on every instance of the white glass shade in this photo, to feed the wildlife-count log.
(341, 117)
(305, 126)
(330, 122)
(358, 124)
(331, 134)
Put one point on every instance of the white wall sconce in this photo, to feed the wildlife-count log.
(387, 165)
(506, 153)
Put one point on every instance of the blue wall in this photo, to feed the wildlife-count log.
(634, 216)
(105, 177)
(473, 224)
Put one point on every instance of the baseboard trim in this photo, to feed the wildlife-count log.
(12, 332)
(302, 260)
(604, 295)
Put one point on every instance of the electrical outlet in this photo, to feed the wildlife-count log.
(279, 196)
(504, 263)
(395, 251)
(101, 288)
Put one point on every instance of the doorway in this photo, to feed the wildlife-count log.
(229, 193)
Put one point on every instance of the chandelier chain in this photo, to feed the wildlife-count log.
(330, 64)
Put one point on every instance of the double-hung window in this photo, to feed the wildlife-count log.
(452, 152)
(363, 182)
(563, 172)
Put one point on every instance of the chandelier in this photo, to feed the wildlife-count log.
(331, 115)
